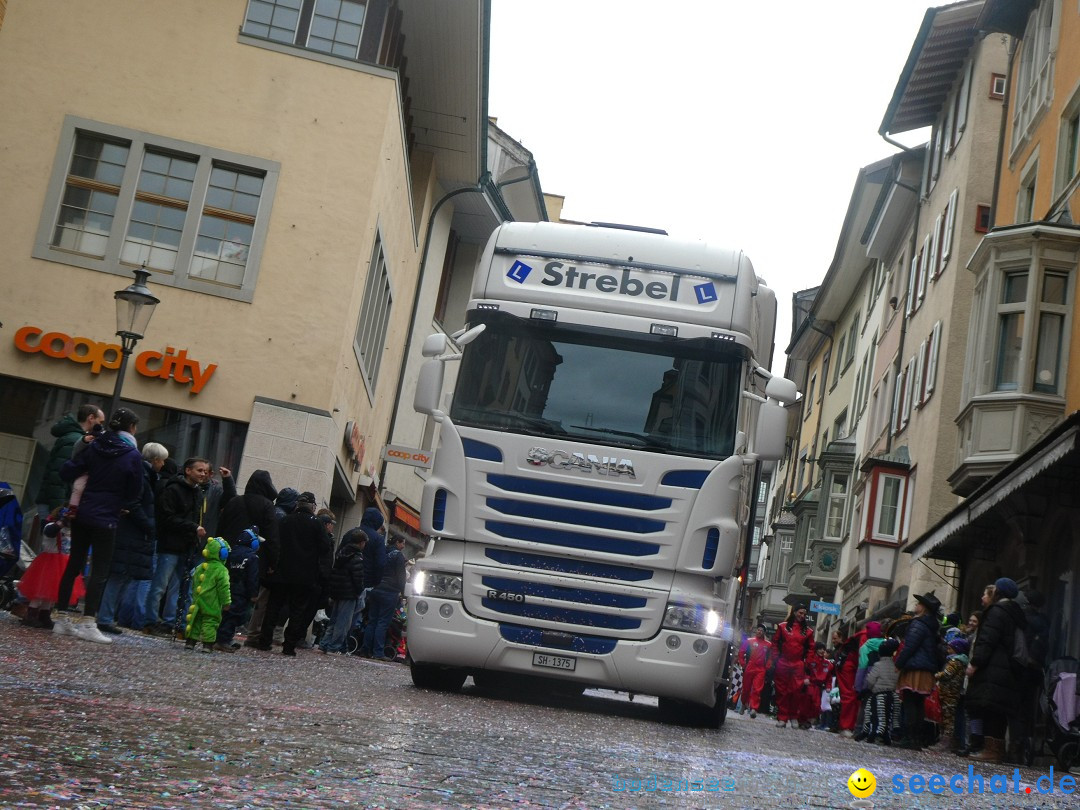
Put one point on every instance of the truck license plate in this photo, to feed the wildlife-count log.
(563, 662)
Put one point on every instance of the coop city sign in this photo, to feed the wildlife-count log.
(161, 365)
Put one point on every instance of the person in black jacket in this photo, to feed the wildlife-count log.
(294, 578)
(918, 662)
(994, 683)
(383, 601)
(179, 513)
(252, 510)
(346, 585)
(133, 557)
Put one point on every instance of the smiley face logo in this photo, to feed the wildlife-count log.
(862, 783)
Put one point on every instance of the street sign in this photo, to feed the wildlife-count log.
(832, 608)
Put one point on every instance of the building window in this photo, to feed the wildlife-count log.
(853, 334)
(997, 85)
(838, 368)
(1010, 331)
(840, 425)
(810, 396)
(887, 515)
(1050, 334)
(982, 218)
(196, 216)
(329, 26)
(1025, 197)
(370, 340)
(1035, 78)
(787, 543)
(834, 516)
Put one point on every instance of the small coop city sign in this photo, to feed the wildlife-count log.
(407, 455)
(170, 364)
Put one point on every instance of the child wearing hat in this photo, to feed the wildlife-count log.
(950, 681)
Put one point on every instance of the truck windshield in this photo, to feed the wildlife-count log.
(645, 391)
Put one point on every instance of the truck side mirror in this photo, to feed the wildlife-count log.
(434, 345)
(429, 389)
(770, 436)
(781, 389)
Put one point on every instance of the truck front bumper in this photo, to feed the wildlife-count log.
(667, 665)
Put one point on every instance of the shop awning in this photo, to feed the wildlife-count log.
(1048, 469)
(407, 515)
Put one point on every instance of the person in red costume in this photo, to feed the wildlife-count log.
(792, 645)
(754, 657)
(847, 662)
(819, 669)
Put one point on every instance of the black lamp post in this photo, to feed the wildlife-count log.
(134, 306)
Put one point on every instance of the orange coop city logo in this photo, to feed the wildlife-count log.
(170, 364)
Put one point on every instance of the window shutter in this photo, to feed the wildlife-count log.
(898, 394)
(910, 389)
(912, 276)
(924, 263)
(935, 267)
(905, 402)
(950, 218)
(917, 391)
(931, 359)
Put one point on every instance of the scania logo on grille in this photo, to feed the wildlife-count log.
(565, 460)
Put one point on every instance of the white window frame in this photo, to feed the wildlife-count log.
(835, 506)
(1068, 155)
(373, 322)
(138, 143)
(879, 502)
(1035, 74)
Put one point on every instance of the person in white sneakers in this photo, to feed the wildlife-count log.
(113, 466)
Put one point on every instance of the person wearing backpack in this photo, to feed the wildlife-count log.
(346, 585)
(994, 681)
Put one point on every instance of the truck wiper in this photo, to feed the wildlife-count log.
(647, 442)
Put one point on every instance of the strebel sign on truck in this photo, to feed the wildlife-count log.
(588, 495)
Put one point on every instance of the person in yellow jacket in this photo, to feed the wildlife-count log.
(210, 593)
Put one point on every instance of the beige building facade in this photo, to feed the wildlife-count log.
(275, 170)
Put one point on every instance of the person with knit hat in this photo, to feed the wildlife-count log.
(994, 685)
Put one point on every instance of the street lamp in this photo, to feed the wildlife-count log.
(134, 306)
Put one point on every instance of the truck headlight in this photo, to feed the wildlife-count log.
(693, 619)
(436, 583)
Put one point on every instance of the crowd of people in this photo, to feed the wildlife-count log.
(922, 680)
(177, 552)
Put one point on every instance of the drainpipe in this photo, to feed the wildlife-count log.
(1001, 133)
(482, 185)
(898, 364)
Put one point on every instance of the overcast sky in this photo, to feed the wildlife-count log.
(739, 122)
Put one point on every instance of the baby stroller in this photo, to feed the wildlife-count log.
(1062, 703)
(395, 636)
(11, 520)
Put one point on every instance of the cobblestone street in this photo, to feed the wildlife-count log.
(142, 723)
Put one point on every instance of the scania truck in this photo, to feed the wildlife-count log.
(590, 494)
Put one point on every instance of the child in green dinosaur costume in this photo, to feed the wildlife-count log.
(209, 594)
